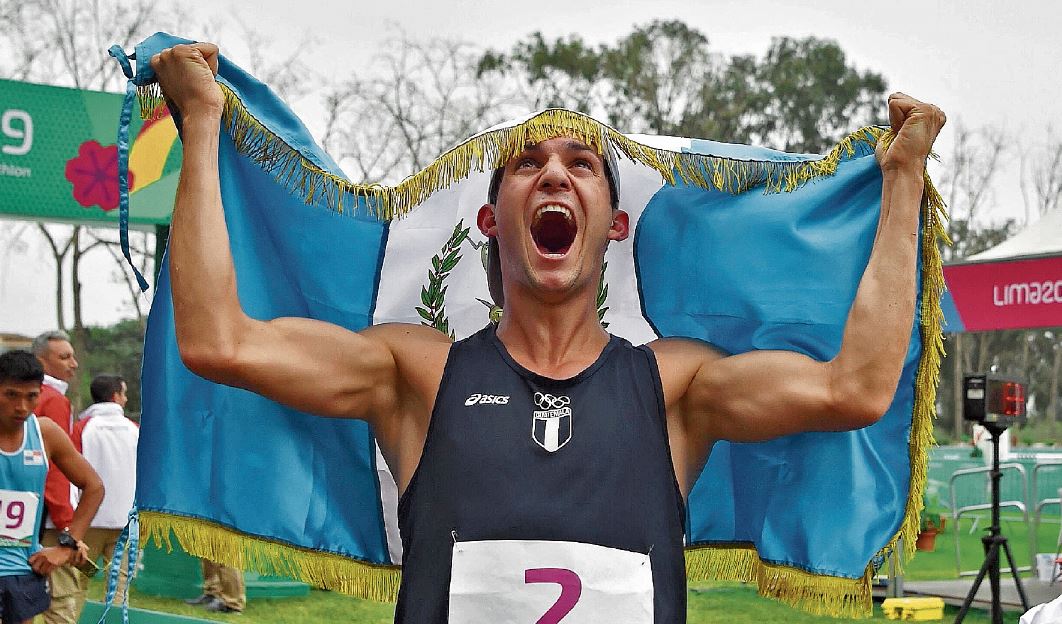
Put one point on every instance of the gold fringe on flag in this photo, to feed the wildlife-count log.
(492, 149)
(215, 542)
(814, 593)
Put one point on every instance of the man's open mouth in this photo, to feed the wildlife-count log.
(553, 230)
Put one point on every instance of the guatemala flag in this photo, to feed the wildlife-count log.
(743, 247)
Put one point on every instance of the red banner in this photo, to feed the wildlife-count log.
(1019, 294)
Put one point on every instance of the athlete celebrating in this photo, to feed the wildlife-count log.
(487, 511)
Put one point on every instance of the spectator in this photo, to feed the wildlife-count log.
(56, 355)
(108, 440)
(223, 589)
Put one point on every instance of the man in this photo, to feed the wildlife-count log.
(30, 445)
(107, 440)
(56, 354)
(477, 494)
(223, 589)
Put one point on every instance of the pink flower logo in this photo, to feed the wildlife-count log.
(94, 174)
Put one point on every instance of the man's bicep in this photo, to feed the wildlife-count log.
(760, 395)
(62, 453)
(312, 366)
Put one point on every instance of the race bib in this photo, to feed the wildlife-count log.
(18, 510)
(544, 582)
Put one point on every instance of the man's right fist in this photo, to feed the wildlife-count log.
(186, 75)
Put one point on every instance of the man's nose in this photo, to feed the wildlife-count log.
(554, 176)
(73, 363)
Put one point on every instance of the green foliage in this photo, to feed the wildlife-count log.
(1039, 431)
(602, 296)
(433, 296)
(117, 349)
(664, 78)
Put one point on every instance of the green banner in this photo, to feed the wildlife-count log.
(59, 158)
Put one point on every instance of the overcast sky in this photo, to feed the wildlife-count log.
(986, 63)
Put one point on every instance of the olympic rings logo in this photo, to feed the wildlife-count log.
(548, 401)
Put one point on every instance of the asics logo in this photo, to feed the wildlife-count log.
(548, 401)
(486, 399)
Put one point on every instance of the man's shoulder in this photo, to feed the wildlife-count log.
(407, 335)
(52, 403)
(49, 393)
(679, 347)
(418, 350)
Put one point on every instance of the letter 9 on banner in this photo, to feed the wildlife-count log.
(16, 125)
(544, 582)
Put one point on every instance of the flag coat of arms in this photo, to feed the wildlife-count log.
(742, 247)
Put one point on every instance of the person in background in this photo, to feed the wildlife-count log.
(223, 589)
(107, 440)
(30, 447)
(57, 356)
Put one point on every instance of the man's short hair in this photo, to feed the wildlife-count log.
(104, 387)
(20, 366)
(494, 279)
(40, 343)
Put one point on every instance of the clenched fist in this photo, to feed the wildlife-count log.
(916, 125)
(186, 75)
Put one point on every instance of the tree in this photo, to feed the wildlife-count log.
(418, 99)
(810, 97)
(1041, 180)
(663, 78)
(118, 350)
(64, 42)
(970, 174)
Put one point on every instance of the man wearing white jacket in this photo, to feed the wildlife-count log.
(108, 441)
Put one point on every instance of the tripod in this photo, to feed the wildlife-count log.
(993, 543)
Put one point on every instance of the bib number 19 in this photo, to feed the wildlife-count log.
(18, 512)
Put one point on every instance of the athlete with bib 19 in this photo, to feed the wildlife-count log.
(494, 519)
(28, 446)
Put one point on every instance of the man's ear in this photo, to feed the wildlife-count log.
(488, 226)
(621, 226)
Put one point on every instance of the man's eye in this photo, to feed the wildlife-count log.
(525, 163)
(586, 164)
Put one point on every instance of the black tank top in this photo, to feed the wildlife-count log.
(512, 455)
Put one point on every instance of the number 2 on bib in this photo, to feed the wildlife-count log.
(571, 589)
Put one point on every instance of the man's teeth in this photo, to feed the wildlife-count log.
(553, 208)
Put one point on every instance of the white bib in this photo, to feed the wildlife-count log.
(546, 582)
(18, 513)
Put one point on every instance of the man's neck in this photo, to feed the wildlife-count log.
(553, 340)
(11, 436)
(58, 385)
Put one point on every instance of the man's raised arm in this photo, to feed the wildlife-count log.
(310, 365)
(765, 394)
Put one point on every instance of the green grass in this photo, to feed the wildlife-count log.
(940, 564)
(715, 602)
